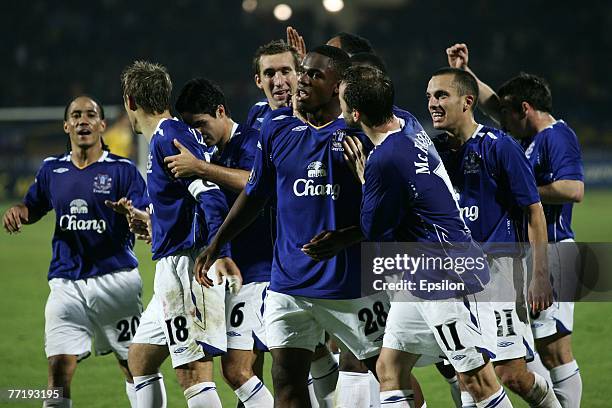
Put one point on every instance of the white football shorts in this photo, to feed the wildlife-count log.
(462, 330)
(244, 320)
(105, 308)
(301, 322)
(559, 317)
(514, 338)
(184, 315)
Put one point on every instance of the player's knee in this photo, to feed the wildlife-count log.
(235, 374)
(516, 379)
(138, 361)
(61, 369)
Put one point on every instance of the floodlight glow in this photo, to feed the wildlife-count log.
(249, 5)
(282, 12)
(333, 6)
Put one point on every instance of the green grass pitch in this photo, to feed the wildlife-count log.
(24, 261)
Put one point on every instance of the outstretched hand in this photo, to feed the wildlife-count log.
(123, 206)
(324, 245)
(354, 155)
(14, 217)
(295, 40)
(458, 56)
(184, 164)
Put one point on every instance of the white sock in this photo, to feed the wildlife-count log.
(130, 390)
(202, 395)
(454, 390)
(374, 391)
(499, 400)
(353, 390)
(536, 366)
(254, 394)
(324, 372)
(541, 394)
(58, 403)
(397, 399)
(311, 393)
(567, 384)
(467, 401)
(150, 391)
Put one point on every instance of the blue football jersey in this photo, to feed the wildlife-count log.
(186, 212)
(407, 197)
(494, 183)
(411, 124)
(256, 114)
(554, 154)
(252, 248)
(304, 168)
(90, 239)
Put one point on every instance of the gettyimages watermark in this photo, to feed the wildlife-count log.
(498, 272)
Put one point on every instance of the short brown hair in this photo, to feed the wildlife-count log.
(149, 84)
(273, 48)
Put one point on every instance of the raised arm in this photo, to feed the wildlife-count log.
(458, 57)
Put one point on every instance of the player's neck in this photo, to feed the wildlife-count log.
(325, 114)
(229, 127)
(463, 132)
(83, 157)
(378, 134)
(148, 123)
(541, 120)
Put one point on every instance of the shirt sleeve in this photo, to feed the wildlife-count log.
(564, 155)
(248, 151)
(512, 164)
(263, 175)
(211, 200)
(37, 199)
(381, 205)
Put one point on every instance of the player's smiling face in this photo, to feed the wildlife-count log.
(83, 122)
(444, 103)
(277, 78)
(317, 83)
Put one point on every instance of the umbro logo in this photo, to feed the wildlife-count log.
(505, 344)
(180, 350)
(299, 128)
(233, 334)
(459, 357)
(60, 170)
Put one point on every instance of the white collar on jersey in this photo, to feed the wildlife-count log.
(478, 129)
(234, 128)
(101, 159)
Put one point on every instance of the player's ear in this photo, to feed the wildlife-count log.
(103, 125)
(66, 130)
(525, 108)
(130, 102)
(258, 81)
(468, 103)
(220, 111)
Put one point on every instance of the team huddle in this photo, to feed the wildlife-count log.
(257, 227)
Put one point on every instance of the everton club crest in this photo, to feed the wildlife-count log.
(102, 184)
(471, 164)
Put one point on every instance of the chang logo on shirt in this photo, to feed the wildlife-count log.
(78, 206)
(71, 223)
(470, 213)
(102, 184)
(317, 169)
(304, 187)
